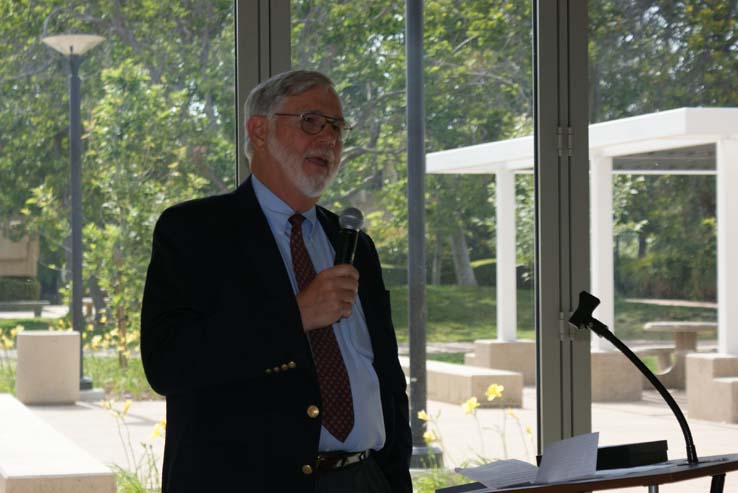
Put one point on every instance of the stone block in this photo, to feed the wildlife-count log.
(35, 458)
(448, 382)
(517, 356)
(712, 387)
(614, 378)
(47, 370)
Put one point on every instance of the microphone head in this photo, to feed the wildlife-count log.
(351, 218)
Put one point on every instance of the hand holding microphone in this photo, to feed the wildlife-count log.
(330, 296)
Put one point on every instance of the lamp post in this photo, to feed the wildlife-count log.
(73, 46)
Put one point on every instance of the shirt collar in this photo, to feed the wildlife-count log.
(278, 212)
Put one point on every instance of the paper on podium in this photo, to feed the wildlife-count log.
(573, 458)
(501, 473)
(568, 459)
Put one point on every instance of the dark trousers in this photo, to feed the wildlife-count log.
(364, 477)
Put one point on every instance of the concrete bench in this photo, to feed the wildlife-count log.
(35, 458)
(518, 356)
(24, 306)
(712, 387)
(685, 342)
(662, 353)
(663, 360)
(47, 369)
(448, 382)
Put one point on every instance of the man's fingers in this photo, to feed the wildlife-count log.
(341, 270)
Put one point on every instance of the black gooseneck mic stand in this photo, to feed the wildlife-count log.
(582, 319)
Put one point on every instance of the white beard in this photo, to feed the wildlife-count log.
(291, 163)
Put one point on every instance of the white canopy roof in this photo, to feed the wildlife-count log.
(683, 127)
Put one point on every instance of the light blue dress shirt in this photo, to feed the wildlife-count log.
(351, 333)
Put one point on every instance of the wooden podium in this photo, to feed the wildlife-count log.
(650, 476)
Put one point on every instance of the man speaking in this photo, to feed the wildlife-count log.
(279, 368)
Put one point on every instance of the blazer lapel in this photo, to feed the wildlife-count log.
(259, 246)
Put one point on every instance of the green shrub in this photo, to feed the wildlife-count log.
(19, 288)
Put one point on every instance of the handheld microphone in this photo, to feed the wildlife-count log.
(350, 220)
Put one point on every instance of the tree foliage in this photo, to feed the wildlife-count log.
(158, 125)
(159, 122)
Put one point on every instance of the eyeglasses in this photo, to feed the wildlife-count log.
(314, 123)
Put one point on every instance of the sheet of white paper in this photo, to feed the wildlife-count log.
(501, 473)
(572, 458)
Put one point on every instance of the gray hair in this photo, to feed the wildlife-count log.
(266, 98)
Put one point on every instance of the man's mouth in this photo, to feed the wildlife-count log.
(318, 161)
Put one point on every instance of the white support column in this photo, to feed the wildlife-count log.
(601, 227)
(507, 320)
(727, 245)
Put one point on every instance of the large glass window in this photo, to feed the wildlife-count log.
(157, 128)
(478, 90)
(661, 75)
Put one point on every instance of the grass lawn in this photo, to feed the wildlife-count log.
(6, 324)
(118, 383)
(467, 313)
(454, 314)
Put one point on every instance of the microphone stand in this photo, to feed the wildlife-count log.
(582, 319)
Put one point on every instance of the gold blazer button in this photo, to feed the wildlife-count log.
(285, 367)
(313, 411)
(292, 365)
(307, 470)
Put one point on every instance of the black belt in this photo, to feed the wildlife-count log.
(328, 461)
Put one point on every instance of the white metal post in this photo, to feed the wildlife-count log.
(601, 228)
(727, 245)
(507, 320)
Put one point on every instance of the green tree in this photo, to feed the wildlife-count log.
(158, 126)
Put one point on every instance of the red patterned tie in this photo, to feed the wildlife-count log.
(335, 388)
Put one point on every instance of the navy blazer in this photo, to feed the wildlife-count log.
(218, 312)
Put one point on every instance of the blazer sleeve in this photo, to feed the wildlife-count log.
(394, 458)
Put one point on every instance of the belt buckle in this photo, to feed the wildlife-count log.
(326, 462)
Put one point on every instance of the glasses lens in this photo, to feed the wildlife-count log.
(313, 123)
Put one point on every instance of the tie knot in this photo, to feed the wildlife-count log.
(296, 220)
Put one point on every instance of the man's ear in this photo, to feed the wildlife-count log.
(258, 128)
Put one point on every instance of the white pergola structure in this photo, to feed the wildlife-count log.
(680, 141)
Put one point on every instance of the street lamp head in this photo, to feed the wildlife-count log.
(73, 44)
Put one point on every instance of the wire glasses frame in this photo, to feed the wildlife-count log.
(314, 123)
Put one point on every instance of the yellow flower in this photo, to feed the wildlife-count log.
(103, 319)
(494, 391)
(126, 407)
(528, 430)
(106, 404)
(429, 437)
(96, 340)
(14, 332)
(470, 406)
(510, 412)
(159, 429)
(423, 416)
(90, 327)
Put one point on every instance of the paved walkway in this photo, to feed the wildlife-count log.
(464, 437)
